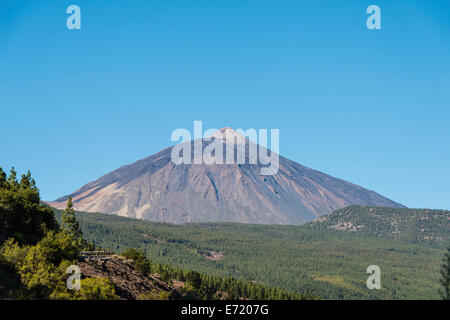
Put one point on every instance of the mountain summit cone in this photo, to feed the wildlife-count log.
(154, 188)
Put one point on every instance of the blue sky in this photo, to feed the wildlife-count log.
(368, 106)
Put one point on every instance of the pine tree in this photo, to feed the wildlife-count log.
(12, 179)
(3, 180)
(25, 181)
(445, 272)
(69, 223)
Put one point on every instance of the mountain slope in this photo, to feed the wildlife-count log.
(156, 189)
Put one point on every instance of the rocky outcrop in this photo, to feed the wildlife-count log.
(129, 283)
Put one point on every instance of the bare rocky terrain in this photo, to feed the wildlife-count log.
(156, 189)
(129, 283)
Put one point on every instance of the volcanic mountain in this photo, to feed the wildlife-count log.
(155, 188)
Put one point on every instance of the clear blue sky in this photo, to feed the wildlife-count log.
(368, 106)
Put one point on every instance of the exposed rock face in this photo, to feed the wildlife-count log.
(128, 282)
(156, 189)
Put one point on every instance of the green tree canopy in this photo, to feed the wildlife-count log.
(22, 215)
(69, 223)
(97, 289)
(42, 267)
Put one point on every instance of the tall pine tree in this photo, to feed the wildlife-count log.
(12, 179)
(69, 223)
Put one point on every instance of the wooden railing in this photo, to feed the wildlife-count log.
(95, 255)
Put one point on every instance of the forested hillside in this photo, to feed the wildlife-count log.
(311, 259)
(420, 226)
(327, 258)
(36, 252)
